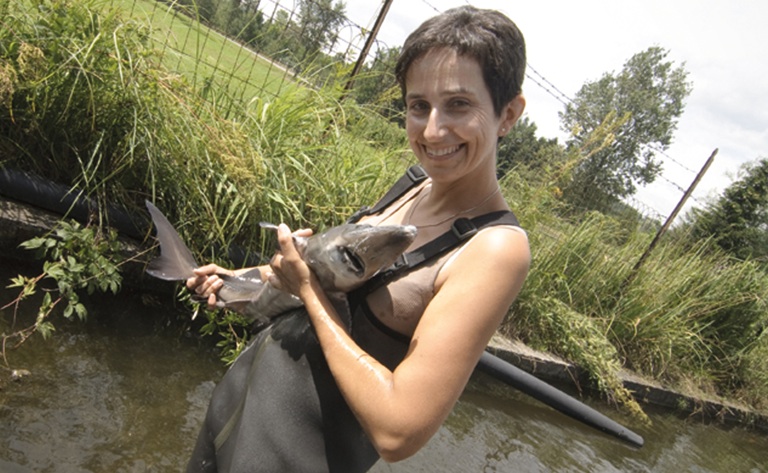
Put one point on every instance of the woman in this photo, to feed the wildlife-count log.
(401, 369)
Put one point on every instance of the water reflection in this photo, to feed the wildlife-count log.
(495, 429)
(117, 394)
(126, 392)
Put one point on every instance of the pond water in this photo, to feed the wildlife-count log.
(127, 391)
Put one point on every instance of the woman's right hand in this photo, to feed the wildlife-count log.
(206, 282)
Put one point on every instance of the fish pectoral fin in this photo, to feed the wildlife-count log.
(252, 275)
(238, 306)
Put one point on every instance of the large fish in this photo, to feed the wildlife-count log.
(342, 258)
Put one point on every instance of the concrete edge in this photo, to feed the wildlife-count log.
(646, 392)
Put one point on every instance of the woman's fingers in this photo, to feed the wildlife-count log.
(303, 232)
(212, 302)
(291, 272)
(285, 239)
(206, 282)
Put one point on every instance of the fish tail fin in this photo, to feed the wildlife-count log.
(175, 262)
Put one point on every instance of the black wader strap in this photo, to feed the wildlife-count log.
(412, 177)
(461, 230)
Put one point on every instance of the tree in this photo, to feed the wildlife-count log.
(320, 19)
(281, 40)
(205, 8)
(650, 92)
(227, 17)
(521, 148)
(738, 220)
(239, 20)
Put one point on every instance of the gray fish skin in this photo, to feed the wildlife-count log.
(342, 258)
(175, 262)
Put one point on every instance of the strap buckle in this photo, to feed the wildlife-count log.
(389, 273)
(463, 228)
(416, 173)
(401, 261)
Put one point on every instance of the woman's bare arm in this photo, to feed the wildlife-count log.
(400, 410)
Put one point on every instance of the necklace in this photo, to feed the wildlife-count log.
(461, 212)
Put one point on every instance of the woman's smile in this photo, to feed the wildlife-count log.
(444, 152)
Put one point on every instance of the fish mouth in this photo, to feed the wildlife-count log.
(353, 261)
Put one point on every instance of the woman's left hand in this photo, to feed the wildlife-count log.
(289, 272)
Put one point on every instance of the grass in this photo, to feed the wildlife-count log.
(202, 55)
(691, 316)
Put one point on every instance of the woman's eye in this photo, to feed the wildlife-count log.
(418, 107)
(459, 103)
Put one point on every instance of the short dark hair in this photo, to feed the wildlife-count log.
(488, 36)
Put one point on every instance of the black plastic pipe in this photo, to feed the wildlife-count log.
(553, 397)
(59, 199)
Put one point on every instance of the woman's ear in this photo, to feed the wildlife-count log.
(511, 113)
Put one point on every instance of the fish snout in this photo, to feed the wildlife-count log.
(346, 256)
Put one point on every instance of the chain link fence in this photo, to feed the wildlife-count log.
(237, 50)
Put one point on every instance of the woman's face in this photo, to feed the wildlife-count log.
(451, 124)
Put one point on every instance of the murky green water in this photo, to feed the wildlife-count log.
(494, 429)
(126, 392)
(120, 393)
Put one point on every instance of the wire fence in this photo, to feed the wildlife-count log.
(258, 48)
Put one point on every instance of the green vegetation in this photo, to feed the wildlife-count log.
(102, 113)
(737, 220)
(77, 259)
(202, 55)
(87, 99)
(651, 92)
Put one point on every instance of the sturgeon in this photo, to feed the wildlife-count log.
(343, 258)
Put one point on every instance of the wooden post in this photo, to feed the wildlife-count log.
(671, 217)
(366, 49)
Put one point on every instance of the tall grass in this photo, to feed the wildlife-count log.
(105, 114)
(692, 310)
(691, 316)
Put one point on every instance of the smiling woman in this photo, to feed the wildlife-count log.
(379, 375)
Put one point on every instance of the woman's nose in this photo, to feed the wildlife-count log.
(435, 126)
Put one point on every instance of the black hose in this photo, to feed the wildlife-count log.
(553, 397)
(59, 199)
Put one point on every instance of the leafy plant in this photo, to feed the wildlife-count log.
(737, 220)
(77, 259)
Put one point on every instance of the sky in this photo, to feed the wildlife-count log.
(721, 43)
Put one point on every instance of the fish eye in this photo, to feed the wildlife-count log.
(351, 259)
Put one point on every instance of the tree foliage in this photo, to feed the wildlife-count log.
(238, 20)
(320, 19)
(293, 39)
(522, 149)
(376, 85)
(737, 221)
(650, 92)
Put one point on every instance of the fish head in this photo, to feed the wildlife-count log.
(346, 256)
